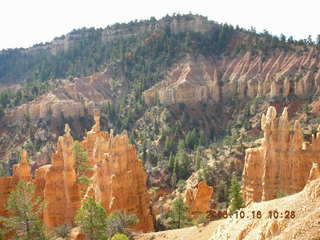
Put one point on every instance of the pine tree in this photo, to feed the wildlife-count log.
(318, 40)
(198, 159)
(171, 162)
(81, 164)
(25, 210)
(92, 219)
(178, 214)
(174, 177)
(236, 201)
(202, 138)
(168, 145)
(183, 161)
(221, 192)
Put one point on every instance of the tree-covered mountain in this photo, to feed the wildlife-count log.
(112, 68)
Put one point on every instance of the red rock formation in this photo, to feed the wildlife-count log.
(314, 172)
(118, 179)
(61, 191)
(21, 172)
(200, 79)
(282, 163)
(198, 199)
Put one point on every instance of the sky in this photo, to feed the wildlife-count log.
(24, 23)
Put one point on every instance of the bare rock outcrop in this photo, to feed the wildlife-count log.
(314, 172)
(198, 199)
(282, 163)
(200, 79)
(61, 191)
(72, 100)
(21, 172)
(118, 179)
(292, 217)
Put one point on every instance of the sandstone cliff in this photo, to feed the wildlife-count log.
(118, 179)
(282, 163)
(21, 172)
(201, 79)
(198, 199)
(72, 100)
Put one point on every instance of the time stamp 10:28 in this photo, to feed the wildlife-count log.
(273, 214)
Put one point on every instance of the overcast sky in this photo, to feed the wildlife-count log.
(27, 22)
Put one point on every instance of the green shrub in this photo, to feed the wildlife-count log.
(119, 236)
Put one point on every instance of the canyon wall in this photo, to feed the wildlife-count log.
(197, 199)
(281, 165)
(203, 79)
(118, 180)
(72, 100)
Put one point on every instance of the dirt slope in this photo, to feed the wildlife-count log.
(304, 224)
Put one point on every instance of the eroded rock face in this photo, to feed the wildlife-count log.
(72, 100)
(200, 79)
(61, 191)
(283, 162)
(118, 179)
(314, 172)
(21, 172)
(198, 199)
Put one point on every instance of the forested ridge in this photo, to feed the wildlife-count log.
(138, 55)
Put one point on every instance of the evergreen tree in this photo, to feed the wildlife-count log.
(81, 163)
(202, 138)
(191, 139)
(171, 162)
(236, 201)
(168, 145)
(25, 210)
(1, 112)
(96, 225)
(318, 40)
(198, 160)
(183, 162)
(178, 214)
(174, 177)
(221, 192)
(92, 219)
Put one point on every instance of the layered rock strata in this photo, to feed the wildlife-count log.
(72, 100)
(118, 180)
(202, 79)
(282, 163)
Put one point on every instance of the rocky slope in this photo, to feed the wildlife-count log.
(40, 122)
(64, 43)
(202, 79)
(72, 100)
(112, 159)
(283, 161)
(298, 218)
